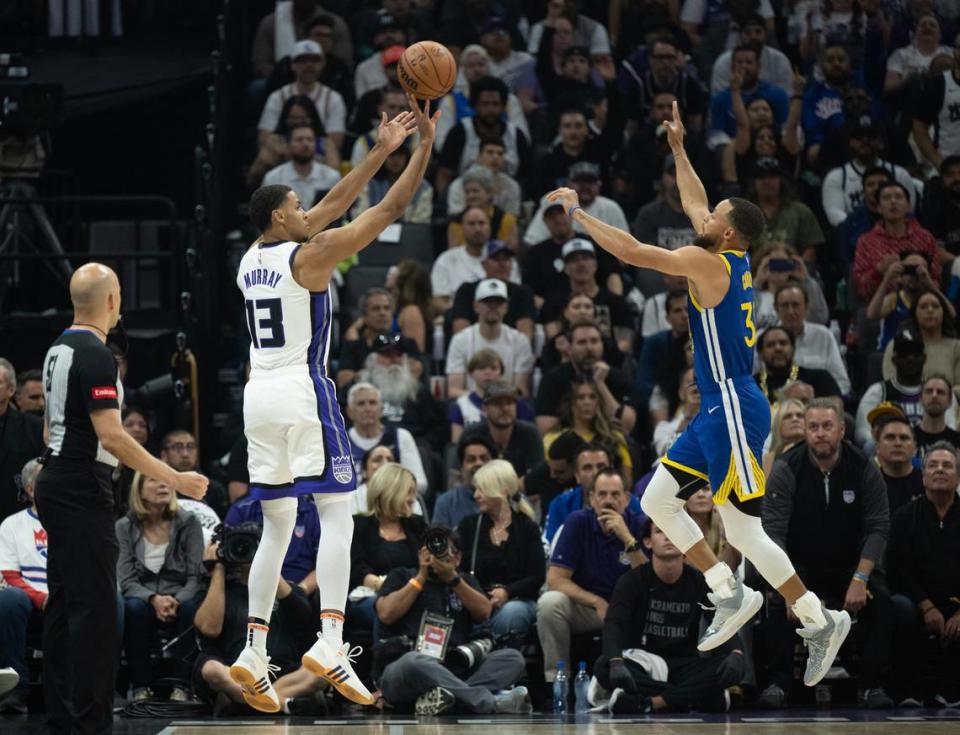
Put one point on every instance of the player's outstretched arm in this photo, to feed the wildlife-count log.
(390, 135)
(692, 194)
(697, 264)
(315, 260)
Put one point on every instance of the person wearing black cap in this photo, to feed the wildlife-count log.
(387, 36)
(498, 262)
(516, 441)
(842, 188)
(662, 221)
(788, 220)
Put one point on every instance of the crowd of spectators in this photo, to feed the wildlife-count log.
(514, 387)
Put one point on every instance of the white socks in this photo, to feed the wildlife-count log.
(810, 611)
(720, 580)
(331, 628)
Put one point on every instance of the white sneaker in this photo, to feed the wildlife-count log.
(8, 680)
(336, 666)
(823, 645)
(251, 672)
(731, 615)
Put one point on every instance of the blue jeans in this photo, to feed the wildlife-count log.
(140, 633)
(15, 612)
(514, 619)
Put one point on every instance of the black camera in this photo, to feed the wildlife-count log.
(910, 270)
(437, 540)
(236, 544)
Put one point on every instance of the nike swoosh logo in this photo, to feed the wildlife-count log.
(711, 410)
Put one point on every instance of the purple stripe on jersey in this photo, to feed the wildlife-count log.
(338, 474)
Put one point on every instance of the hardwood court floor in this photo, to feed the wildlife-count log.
(795, 722)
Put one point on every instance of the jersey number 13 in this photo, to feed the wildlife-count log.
(265, 323)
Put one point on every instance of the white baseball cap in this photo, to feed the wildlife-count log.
(577, 245)
(306, 48)
(491, 288)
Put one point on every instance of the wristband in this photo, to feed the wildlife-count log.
(572, 210)
(633, 546)
(418, 586)
(861, 577)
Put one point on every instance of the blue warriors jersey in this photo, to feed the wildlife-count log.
(724, 336)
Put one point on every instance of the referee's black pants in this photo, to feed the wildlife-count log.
(80, 636)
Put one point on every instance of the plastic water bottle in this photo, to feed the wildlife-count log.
(561, 687)
(580, 685)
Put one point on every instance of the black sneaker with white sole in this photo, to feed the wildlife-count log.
(435, 702)
(622, 703)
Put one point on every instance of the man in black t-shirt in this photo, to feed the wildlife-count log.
(580, 268)
(775, 347)
(655, 608)
(518, 442)
(586, 362)
(940, 210)
(438, 686)
(895, 450)
(543, 263)
(74, 497)
(935, 398)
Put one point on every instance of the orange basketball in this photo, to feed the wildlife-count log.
(427, 70)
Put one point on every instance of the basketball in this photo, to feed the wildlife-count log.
(427, 70)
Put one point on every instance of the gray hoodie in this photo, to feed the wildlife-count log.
(179, 575)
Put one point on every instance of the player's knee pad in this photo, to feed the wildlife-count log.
(746, 534)
(661, 504)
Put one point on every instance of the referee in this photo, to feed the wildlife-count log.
(75, 503)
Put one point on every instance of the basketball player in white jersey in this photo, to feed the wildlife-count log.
(297, 441)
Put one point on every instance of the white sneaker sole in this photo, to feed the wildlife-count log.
(753, 602)
(840, 635)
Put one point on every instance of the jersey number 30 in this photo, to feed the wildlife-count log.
(747, 308)
(265, 322)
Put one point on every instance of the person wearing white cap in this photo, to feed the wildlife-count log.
(490, 302)
(307, 62)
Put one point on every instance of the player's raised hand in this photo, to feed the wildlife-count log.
(426, 124)
(191, 484)
(566, 196)
(392, 133)
(675, 130)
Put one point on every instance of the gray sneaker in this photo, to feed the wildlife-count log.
(773, 697)
(435, 702)
(824, 644)
(515, 701)
(731, 615)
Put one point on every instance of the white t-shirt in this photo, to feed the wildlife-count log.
(207, 516)
(655, 315)
(908, 60)
(23, 548)
(369, 76)
(154, 555)
(406, 445)
(322, 178)
(512, 346)
(516, 68)
(604, 209)
(588, 33)
(456, 266)
(329, 103)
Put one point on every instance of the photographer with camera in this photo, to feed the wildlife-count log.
(504, 550)
(221, 622)
(437, 608)
(594, 548)
(158, 572)
(650, 661)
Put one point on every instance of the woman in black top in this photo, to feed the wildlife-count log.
(503, 550)
(387, 538)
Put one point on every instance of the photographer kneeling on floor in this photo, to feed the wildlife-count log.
(436, 608)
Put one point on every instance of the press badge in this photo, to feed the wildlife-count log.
(434, 635)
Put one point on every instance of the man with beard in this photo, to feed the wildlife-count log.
(303, 173)
(664, 74)
(896, 448)
(543, 261)
(861, 219)
(937, 107)
(376, 307)
(896, 232)
(490, 302)
(555, 474)
(516, 441)
(723, 442)
(29, 395)
(826, 505)
(575, 144)
(775, 67)
(663, 355)
(586, 359)
(814, 346)
(457, 503)
(940, 211)
(903, 389)
(406, 400)
(935, 398)
(789, 221)
(778, 368)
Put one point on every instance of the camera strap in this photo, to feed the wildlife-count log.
(476, 543)
(434, 635)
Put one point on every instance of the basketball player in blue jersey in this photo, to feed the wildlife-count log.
(297, 441)
(723, 443)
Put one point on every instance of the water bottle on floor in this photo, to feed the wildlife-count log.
(561, 686)
(580, 686)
